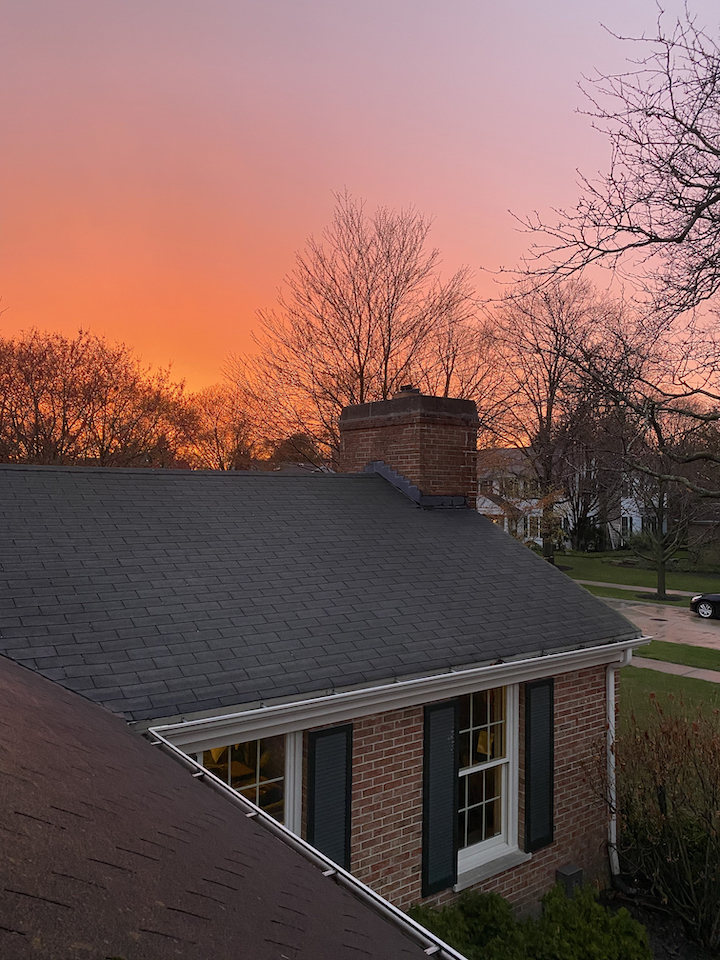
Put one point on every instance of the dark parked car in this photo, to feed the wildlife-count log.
(706, 605)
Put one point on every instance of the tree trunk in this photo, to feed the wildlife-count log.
(661, 554)
(548, 545)
(661, 565)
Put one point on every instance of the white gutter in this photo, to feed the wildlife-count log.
(433, 946)
(612, 669)
(202, 734)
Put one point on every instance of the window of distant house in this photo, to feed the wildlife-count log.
(626, 525)
(256, 769)
(483, 766)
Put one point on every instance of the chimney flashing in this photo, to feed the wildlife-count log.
(409, 489)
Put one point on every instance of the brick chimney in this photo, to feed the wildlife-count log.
(427, 446)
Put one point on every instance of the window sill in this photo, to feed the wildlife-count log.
(486, 870)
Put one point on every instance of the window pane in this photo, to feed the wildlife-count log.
(497, 741)
(465, 749)
(482, 741)
(480, 709)
(250, 793)
(475, 784)
(493, 782)
(271, 798)
(497, 704)
(272, 758)
(216, 761)
(475, 825)
(243, 765)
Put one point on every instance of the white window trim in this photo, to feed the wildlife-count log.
(474, 861)
(293, 773)
(293, 781)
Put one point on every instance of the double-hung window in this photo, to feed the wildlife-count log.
(470, 818)
(483, 773)
(487, 776)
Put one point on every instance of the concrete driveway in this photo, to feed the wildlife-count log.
(674, 624)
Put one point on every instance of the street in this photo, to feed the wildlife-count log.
(665, 622)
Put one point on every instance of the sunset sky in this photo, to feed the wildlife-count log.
(163, 159)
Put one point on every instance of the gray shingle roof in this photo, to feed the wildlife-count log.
(165, 593)
(110, 849)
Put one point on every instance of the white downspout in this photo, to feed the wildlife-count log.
(611, 782)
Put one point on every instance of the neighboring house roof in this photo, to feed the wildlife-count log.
(495, 461)
(172, 593)
(111, 849)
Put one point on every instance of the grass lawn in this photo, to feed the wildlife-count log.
(702, 657)
(583, 566)
(636, 685)
(630, 594)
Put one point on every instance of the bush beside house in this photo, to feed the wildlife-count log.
(482, 926)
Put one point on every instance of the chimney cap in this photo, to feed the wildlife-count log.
(405, 390)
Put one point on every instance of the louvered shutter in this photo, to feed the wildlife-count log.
(440, 798)
(539, 763)
(329, 792)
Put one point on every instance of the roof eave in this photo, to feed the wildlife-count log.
(341, 706)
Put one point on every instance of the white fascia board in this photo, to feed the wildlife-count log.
(196, 735)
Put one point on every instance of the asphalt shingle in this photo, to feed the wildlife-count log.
(111, 849)
(122, 583)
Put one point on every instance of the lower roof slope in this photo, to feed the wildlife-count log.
(111, 849)
(166, 593)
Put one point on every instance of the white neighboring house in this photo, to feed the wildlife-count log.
(509, 496)
(630, 522)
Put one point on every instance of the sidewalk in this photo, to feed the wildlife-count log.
(629, 587)
(678, 669)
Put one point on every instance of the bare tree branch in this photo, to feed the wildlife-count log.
(655, 216)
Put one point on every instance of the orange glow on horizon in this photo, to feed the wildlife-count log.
(163, 162)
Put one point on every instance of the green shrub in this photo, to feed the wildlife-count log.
(470, 924)
(482, 926)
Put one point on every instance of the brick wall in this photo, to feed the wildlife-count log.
(386, 838)
(431, 441)
(387, 799)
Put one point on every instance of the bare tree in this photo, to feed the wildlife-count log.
(654, 219)
(82, 400)
(655, 216)
(223, 434)
(667, 506)
(363, 311)
(664, 381)
(547, 397)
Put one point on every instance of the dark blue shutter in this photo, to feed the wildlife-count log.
(440, 798)
(539, 763)
(329, 792)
